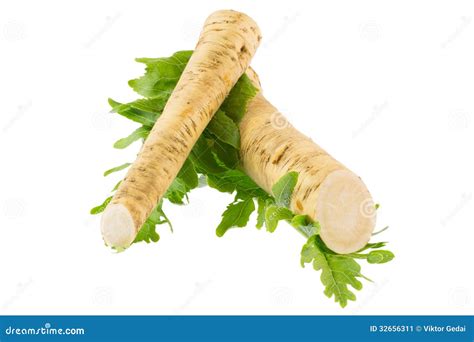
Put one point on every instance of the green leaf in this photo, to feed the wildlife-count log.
(305, 225)
(116, 186)
(283, 189)
(379, 257)
(236, 215)
(202, 157)
(139, 133)
(148, 232)
(372, 246)
(235, 105)
(188, 175)
(177, 191)
(338, 271)
(116, 169)
(275, 214)
(153, 105)
(261, 209)
(100, 208)
(161, 74)
(224, 129)
(134, 114)
(226, 154)
(235, 180)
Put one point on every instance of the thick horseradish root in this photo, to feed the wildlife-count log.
(326, 190)
(224, 50)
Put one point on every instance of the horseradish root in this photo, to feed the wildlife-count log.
(226, 45)
(326, 190)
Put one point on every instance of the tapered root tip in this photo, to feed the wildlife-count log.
(346, 212)
(118, 229)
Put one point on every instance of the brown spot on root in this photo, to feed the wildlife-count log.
(179, 141)
(188, 130)
(278, 157)
(306, 193)
(299, 205)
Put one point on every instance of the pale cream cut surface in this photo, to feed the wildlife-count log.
(118, 229)
(345, 211)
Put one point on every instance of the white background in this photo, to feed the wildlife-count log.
(386, 88)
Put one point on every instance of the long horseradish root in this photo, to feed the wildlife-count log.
(326, 190)
(224, 50)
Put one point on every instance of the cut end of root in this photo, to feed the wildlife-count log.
(345, 211)
(118, 229)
